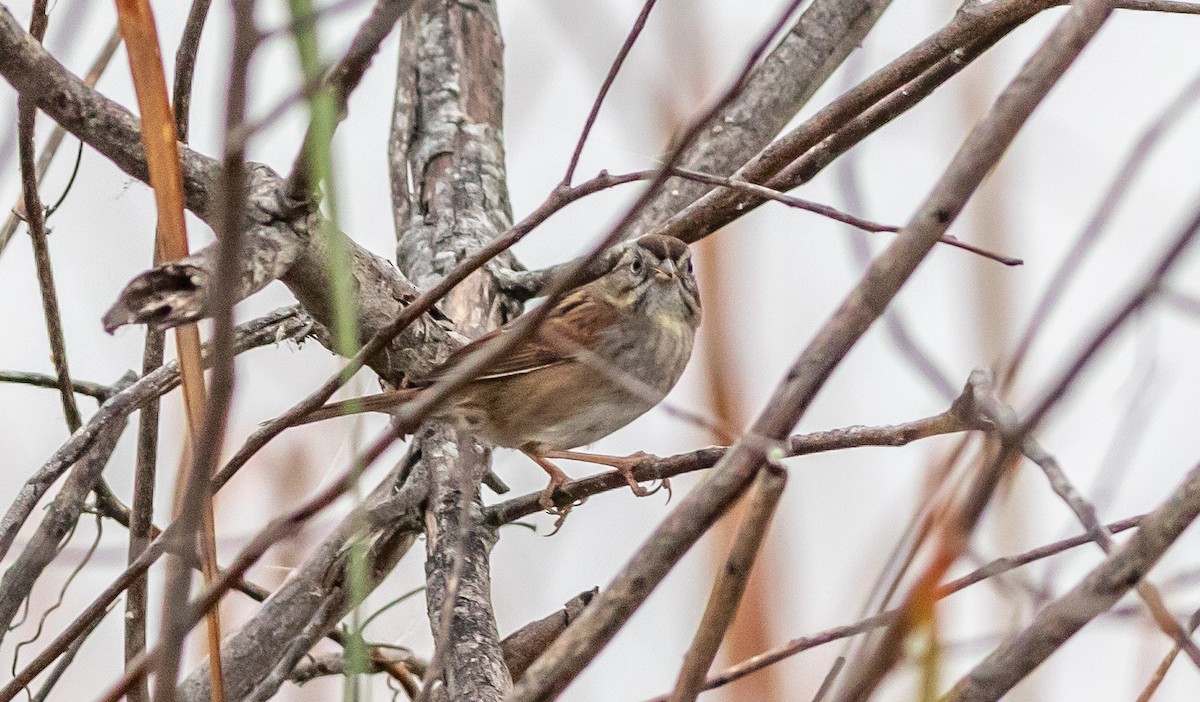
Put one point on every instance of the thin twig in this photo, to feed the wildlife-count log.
(50, 148)
(1008, 425)
(833, 213)
(990, 570)
(185, 67)
(638, 25)
(342, 81)
(35, 215)
(1160, 672)
(96, 391)
(1018, 655)
(948, 422)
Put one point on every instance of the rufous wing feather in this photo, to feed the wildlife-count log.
(572, 324)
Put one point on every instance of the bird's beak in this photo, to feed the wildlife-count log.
(666, 270)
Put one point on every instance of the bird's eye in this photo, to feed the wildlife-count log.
(636, 266)
(689, 269)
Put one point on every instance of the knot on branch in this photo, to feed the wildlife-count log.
(161, 297)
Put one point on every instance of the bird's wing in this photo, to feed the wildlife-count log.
(573, 323)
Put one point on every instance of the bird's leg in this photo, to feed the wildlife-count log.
(546, 499)
(625, 465)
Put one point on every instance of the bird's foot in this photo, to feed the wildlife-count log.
(625, 465)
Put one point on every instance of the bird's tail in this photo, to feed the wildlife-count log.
(382, 402)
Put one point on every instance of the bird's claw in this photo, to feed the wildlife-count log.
(546, 500)
(630, 463)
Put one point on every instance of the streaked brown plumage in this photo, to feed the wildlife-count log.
(606, 353)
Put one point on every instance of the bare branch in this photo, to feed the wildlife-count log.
(35, 214)
(288, 323)
(992, 569)
(948, 422)
(731, 583)
(634, 32)
(98, 392)
(525, 644)
(1094, 595)
(791, 159)
(805, 57)
(342, 81)
(1005, 420)
(60, 518)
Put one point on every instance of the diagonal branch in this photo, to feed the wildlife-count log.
(341, 82)
(288, 323)
(60, 518)
(990, 570)
(1094, 595)
(806, 55)
(1008, 425)
(982, 149)
(731, 583)
(789, 161)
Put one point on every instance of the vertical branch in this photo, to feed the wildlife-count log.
(458, 580)
(36, 216)
(638, 25)
(447, 133)
(141, 512)
(185, 66)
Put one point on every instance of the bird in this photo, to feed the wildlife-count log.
(605, 354)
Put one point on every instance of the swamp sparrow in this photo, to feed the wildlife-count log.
(607, 352)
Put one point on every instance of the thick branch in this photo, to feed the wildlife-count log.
(805, 57)
(276, 245)
(450, 84)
